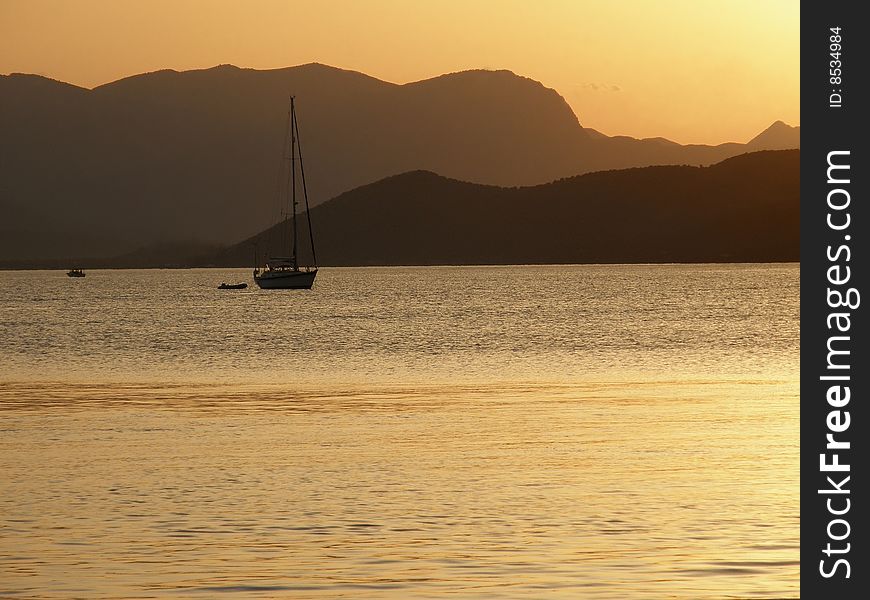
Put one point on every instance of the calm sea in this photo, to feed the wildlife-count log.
(595, 432)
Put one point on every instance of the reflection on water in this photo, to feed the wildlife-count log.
(372, 326)
(570, 432)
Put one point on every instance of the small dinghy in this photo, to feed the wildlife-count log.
(232, 286)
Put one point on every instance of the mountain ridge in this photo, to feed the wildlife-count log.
(750, 213)
(195, 155)
(733, 224)
(774, 137)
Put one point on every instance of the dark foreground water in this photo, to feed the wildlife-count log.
(495, 432)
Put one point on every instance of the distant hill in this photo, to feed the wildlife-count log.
(744, 209)
(778, 136)
(193, 157)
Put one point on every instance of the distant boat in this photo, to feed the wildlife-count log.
(285, 273)
(75, 273)
(232, 286)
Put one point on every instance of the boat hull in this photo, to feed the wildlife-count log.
(286, 280)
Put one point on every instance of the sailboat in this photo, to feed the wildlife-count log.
(285, 273)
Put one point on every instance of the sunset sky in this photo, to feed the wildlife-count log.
(694, 71)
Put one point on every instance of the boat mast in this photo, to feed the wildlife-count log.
(305, 192)
(293, 173)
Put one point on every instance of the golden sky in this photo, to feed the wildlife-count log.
(694, 71)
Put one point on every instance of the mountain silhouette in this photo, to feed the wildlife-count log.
(778, 136)
(744, 209)
(185, 157)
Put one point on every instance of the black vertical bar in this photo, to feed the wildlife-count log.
(834, 263)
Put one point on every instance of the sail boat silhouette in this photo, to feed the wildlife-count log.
(285, 273)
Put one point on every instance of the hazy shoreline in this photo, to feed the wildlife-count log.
(65, 265)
